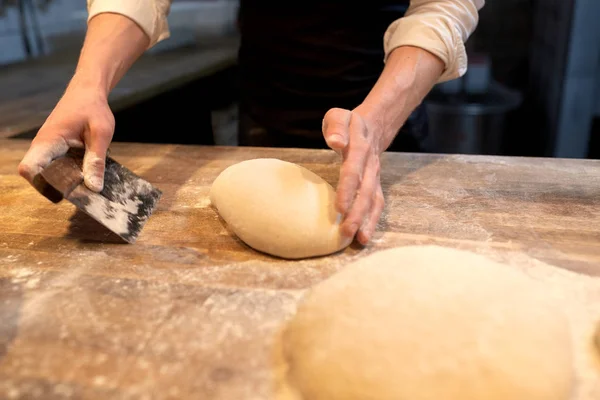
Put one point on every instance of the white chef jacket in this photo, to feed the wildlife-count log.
(439, 26)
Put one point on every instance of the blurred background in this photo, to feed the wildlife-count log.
(533, 86)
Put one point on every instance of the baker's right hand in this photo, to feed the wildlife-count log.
(81, 119)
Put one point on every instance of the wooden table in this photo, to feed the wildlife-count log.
(190, 312)
(30, 90)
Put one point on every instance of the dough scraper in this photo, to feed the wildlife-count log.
(124, 204)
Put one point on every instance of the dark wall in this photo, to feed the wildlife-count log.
(505, 32)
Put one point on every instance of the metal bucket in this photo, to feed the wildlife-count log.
(469, 124)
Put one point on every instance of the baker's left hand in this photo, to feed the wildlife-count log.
(359, 196)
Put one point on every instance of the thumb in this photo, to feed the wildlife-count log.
(94, 161)
(336, 125)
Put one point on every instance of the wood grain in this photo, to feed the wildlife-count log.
(31, 90)
(191, 312)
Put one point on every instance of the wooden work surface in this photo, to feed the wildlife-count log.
(30, 90)
(190, 312)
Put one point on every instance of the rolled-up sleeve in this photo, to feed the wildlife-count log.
(439, 26)
(150, 15)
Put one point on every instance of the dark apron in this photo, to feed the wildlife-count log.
(298, 59)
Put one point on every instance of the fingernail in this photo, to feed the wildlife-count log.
(337, 140)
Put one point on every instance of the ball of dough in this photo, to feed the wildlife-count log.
(279, 208)
(428, 323)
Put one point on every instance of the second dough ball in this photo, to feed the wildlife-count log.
(279, 208)
(428, 323)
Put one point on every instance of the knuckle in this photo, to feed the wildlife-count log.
(355, 172)
(102, 127)
(95, 162)
(358, 211)
(354, 220)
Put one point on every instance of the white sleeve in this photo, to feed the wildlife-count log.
(439, 26)
(150, 15)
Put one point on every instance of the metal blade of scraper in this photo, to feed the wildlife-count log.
(124, 204)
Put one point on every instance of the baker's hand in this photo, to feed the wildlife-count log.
(359, 195)
(82, 118)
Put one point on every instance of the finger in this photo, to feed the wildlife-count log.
(364, 201)
(353, 165)
(43, 151)
(370, 224)
(336, 124)
(97, 142)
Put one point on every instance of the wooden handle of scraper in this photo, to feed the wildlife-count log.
(58, 179)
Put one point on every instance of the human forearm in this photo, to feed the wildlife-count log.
(112, 44)
(423, 48)
(439, 26)
(409, 74)
(118, 33)
(82, 117)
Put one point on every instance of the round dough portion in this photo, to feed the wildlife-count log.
(279, 208)
(428, 323)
